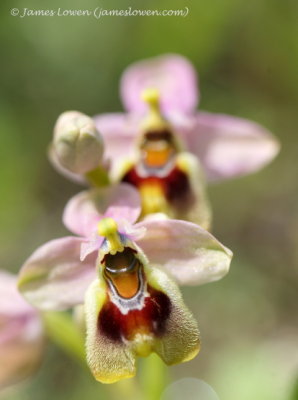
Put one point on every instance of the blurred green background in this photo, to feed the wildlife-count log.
(246, 54)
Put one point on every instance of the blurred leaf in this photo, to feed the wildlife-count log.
(62, 330)
(294, 395)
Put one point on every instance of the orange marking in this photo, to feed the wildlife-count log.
(157, 158)
(126, 283)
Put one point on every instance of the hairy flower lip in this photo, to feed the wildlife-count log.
(115, 338)
(166, 182)
(155, 171)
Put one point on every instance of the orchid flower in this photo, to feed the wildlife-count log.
(123, 273)
(21, 333)
(169, 180)
(226, 146)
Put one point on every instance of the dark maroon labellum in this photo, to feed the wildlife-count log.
(151, 319)
(175, 185)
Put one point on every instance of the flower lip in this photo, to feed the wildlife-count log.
(157, 142)
(157, 151)
(124, 275)
(126, 298)
(165, 135)
(121, 262)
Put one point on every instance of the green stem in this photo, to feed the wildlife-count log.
(153, 377)
(126, 389)
(98, 177)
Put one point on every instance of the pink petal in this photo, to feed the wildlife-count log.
(22, 350)
(83, 212)
(132, 231)
(11, 302)
(54, 278)
(15, 312)
(21, 333)
(227, 146)
(80, 215)
(189, 253)
(172, 74)
(90, 246)
(119, 132)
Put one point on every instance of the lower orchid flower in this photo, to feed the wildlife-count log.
(21, 334)
(123, 273)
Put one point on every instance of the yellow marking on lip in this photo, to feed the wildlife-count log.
(143, 344)
(153, 198)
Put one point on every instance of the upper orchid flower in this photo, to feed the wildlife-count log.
(21, 333)
(226, 146)
(132, 306)
(169, 179)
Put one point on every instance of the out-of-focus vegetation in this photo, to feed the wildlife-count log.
(247, 56)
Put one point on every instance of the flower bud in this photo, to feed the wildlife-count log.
(77, 144)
